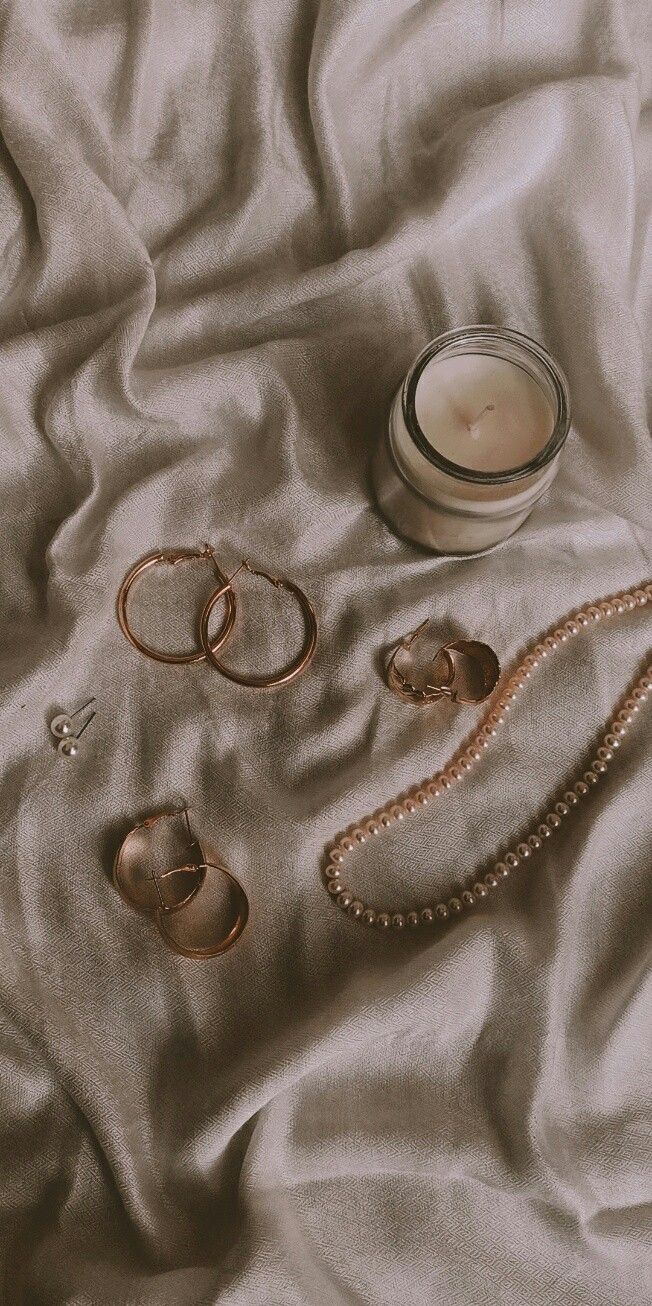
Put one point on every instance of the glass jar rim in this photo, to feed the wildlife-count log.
(482, 334)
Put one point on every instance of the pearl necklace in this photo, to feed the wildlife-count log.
(463, 762)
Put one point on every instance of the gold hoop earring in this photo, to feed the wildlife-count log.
(481, 662)
(176, 897)
(161, 891)
(172, 558)
(304, 657)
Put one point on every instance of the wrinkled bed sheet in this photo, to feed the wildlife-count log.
(226, 230)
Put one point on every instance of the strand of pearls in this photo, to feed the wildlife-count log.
(466, 759)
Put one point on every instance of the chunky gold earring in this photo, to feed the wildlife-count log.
(303, 658)
(469, 672)
(172, 558)
(176, 897)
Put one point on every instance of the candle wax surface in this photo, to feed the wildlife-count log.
(482, 412)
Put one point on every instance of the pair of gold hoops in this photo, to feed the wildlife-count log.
(211, 647)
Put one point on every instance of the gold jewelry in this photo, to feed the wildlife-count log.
(176, 898)
(172, 557)
(303, 658)
(479, 658)
(466, 759)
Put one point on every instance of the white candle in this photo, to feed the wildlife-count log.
(473, 441)
(482, 412)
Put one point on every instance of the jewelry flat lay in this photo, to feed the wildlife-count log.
(466, 759)
(477, 660)
(175, 897)
(63, 729)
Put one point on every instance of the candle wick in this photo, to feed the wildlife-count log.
(488, 408)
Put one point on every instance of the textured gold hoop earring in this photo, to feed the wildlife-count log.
(304, 657)
(172, 558)
(479, 658)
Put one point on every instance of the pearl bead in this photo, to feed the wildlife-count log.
(383, 920)
(68, 747)
(524, 851)
(501, 870)
(357, 908)
(553, 820)
(422, 797)
(369, 916)
(61, 727)
(441, 911)
(412, 919)
(334, 887)
(454, 906)
(570, 797)
(398, 921)
(480, 890)
(543, 830)
(581, 789)
(561, 809)
(511, 860)
(534, 842)
(490, 880)
(467, 898)
(427, 915)
(345, 898)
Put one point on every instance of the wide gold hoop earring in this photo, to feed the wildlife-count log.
(172, 558)
(177, 898)
(303, 658)
(167, 890)
(178, 934)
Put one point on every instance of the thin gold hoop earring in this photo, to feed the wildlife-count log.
(304, 657)
(172, 558)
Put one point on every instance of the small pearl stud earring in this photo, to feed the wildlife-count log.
(63, 729)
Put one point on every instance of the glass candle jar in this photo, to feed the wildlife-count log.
(473, 441)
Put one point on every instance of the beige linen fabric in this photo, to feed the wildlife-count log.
(226, 230)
